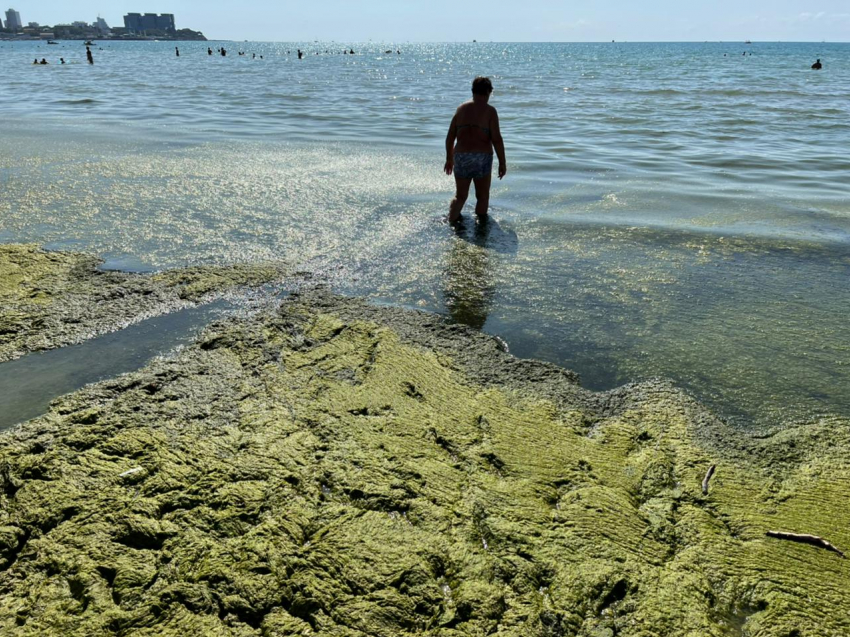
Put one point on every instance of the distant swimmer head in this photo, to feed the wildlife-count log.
(482, 87)
(62, 60)
(817, 65)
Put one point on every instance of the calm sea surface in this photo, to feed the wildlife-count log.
(677, 210)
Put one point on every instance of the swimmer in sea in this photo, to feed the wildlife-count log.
(89, 56)
(177, 51)
(209, 51)
(43, 61)
(62, 60)
(475, 127)
(817, 66)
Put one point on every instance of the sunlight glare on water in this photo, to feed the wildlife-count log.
(675, 210)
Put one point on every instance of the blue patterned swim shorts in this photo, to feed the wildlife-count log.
(473, 165)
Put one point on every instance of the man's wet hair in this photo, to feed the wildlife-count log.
(482, 86)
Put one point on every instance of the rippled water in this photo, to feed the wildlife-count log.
(680, 210)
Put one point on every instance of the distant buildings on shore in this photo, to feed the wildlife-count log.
(138, 23)
(13, 20)
(101, 26)
(137, 26)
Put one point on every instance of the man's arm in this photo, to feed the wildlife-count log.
(450, 146)
(498, 144)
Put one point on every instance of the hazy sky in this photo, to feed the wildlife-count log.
(453, 20)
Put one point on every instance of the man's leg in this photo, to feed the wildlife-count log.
(482, 196)
(460, 198)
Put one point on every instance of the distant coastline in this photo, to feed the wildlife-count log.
(184, 35)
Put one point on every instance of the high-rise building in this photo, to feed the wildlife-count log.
(132, 22)
(100, 25)
(166, 21)
(136, 22)
(13, 20)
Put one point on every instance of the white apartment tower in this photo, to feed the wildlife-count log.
(101, 26)
(13, 20)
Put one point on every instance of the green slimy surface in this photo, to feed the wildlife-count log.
(50, 299)
(333, 468)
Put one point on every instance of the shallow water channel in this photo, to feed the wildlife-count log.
(29, 384)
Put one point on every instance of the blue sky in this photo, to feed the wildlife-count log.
(452, 20)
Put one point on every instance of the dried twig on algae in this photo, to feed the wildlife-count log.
(707, 477)
(814, 540)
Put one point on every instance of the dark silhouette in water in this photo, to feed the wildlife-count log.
(177, 51)
(89, 56)
(223, 52)
(469, 287)
(62, 60)
(817, 66)
(43, 61)
(209, 51)
(300, 54)
(475, 128)
(473, 258)
(35, 61)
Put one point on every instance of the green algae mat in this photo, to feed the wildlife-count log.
(332, 468)
(51, 299)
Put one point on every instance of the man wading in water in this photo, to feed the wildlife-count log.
(475, 126)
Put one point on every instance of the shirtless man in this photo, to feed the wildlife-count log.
(475, 127)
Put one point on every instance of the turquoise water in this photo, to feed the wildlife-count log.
(677, 210)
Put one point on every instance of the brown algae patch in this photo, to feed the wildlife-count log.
(51, 299)
(332, 468)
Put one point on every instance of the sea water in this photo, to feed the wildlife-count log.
(675, 210)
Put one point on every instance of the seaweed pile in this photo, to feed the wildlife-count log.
(328, 467)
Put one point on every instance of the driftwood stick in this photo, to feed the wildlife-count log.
(813, 540)
(707, 477)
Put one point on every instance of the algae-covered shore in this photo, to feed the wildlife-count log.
(328, 467)
(51, 299)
